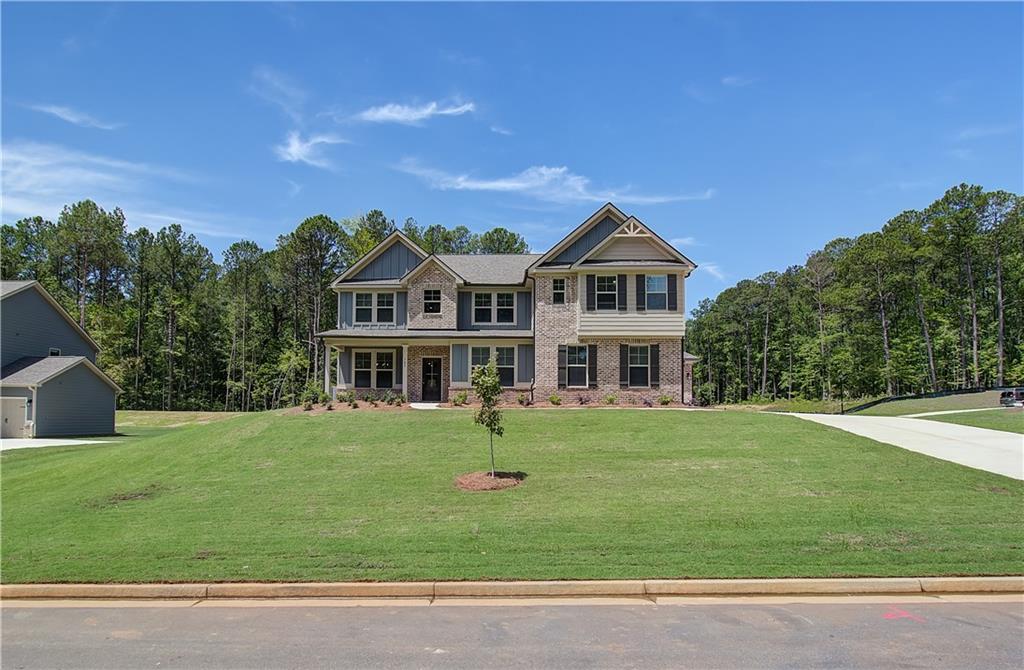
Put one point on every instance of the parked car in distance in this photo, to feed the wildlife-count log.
(1012, 397)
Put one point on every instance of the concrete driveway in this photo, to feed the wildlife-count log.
(980, 448)
(9, 443)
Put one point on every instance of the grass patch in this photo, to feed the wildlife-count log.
(145, 419)
(802, 405)
(1010, 419)
(610, 494)
(945, 403)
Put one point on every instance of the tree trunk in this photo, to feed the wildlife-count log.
(885, 335)
(1000, 317)
(492, 452)
(932, 376)
(764, 348)
(974, 321)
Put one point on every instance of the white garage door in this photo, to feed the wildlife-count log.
(12, 411)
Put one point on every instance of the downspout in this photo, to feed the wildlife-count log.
(35, 410)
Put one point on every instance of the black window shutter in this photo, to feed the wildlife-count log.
(561, 366)
(641, 293)
(673, 302)
(591, 293)
(592, 366)
(623, 365)
(655, 366)
(620, 284)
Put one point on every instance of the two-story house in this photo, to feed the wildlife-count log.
(49, 382)
(600, 313)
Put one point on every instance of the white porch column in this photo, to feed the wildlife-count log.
(405, 370)
(327, 369)
(338, 373)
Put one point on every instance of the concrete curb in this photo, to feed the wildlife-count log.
(638, 588)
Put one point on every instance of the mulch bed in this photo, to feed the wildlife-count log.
(483, 481)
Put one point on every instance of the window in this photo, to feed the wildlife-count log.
(481, 308)
(431, 301)
(374, 369)
(558, 291)
(363, 369)
(639, 366)
(505, 359)
(576, 366)
(506, 307)
(494, 308)
(385, 367)
(385, 308)
(478, 356)
(54, 351)
(657, 292)
(364, 307)
(607, 292)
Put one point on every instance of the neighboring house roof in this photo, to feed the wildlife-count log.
(687, 356)
(11, 288)
(490, 268)
(37, 370)
(405, 333)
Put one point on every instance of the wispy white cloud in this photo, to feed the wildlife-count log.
(713, 269)
(73, 116)
(412, 115)
(278, 89)
(501, 131)
(295, 149)
(961, 153)
(551, 184)
(689, 241)
(294, 188)
(985, 130)
(736, 81)
(39, 179)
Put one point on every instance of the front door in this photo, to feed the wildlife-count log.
(431, 380)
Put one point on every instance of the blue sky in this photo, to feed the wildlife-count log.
(749, 135)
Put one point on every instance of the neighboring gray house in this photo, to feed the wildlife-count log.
(49, 382)
(601, 313)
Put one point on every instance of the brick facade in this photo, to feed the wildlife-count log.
(432, 277)
(414, 371)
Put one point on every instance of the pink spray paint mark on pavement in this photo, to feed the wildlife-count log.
(897, 613)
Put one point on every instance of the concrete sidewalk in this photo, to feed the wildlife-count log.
(9, 443)
(980, 448)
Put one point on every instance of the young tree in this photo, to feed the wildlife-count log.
(487, 387)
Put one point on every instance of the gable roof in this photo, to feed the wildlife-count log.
(37, 370)
(435, 260)
(490, 268)
(385, 244)
(607, 210)
(12, 288)
(634, 227)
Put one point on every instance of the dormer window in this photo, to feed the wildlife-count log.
(432, 301)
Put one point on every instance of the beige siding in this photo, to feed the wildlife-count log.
(632, 249)
(633, 322)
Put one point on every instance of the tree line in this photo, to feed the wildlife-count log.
(932, 301)
(178, 330)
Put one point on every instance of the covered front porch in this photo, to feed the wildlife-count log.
(421, 371)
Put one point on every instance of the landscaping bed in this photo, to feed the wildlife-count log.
(356, 495)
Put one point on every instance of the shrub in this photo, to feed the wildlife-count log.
(648, 403)
(329, 406)
(354, 404)
(389, 397)
(347, 397)
(460, 398)
(665, 400)
(524, 400)
(307, 406)
(554, 400)
(583, 400)
(610, 400)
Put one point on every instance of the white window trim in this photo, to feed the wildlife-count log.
(373, 369)
(585, 366)
(374, 308)
(647, 294)
(439, 301)
(492, 355)
(564, 291)
(597, 292)
(630, 366)
(494, 309)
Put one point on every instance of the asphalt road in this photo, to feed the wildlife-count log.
(986, 634)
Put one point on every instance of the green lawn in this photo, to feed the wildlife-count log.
(127, 419)
(949, 402)
(1009, 419)
(610, 493)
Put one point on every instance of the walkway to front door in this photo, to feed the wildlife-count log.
(431, 380)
